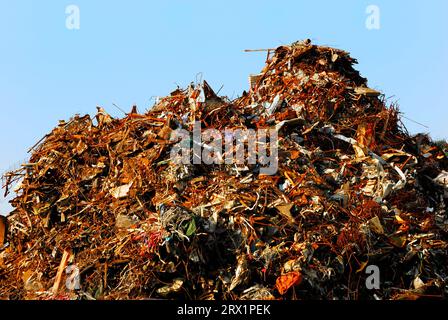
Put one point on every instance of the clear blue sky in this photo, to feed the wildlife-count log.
(126, 52)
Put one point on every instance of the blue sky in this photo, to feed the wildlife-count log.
(127, 52)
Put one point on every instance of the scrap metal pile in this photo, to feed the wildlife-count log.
(102, 211)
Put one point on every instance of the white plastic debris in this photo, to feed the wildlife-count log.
(121, 192)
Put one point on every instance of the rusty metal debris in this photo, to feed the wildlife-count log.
(3, 230)
(353, 189)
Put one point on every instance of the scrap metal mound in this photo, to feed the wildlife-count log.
(101, 202)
